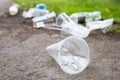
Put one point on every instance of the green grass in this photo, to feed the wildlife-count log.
(108, 8)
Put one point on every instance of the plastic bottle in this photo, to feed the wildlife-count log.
(83, 17)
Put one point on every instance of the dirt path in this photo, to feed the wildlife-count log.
(4, 6)
(23, 55)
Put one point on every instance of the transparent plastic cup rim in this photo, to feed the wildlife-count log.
(59, 53)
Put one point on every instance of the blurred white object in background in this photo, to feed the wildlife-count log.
(14, 9)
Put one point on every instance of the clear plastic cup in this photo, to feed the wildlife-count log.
(72, 54)
(62, 19)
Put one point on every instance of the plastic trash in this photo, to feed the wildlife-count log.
(83, 17)
(41, 6)
(45, 17)
(34, 12)
(46, 21)
(70, 27)
(47, 25)
(62, 18)
(72, 54)
(14, 9)
(105, 25)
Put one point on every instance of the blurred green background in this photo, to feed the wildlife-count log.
(108, 8)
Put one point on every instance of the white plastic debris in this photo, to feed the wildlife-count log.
(45, 17)
(14, 9)
(46, 21)
(34, 12)
(70, 27)
(105, 25)
(72, 54)
(75, 30)
(86, 16)
(39, 25)
(62, 19)
(43, 24)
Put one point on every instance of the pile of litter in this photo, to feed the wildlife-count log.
(72, 53)
(72, 25)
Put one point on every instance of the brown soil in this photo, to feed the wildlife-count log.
(23, 55)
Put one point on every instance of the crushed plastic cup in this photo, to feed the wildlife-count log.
(105, 25)
(14, 9)
(34, 12)
(47, 25)
(62, 18)
(46, 21)
(109, 23)
(83, 17)
(72, 54)
(70, 27)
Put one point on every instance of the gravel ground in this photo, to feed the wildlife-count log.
(4, 6)
(23, 55)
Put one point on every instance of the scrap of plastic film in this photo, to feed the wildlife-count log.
(83, 17)
(39, 10)
(70, 27)
(34, 12)
(72, 54)
(105, 25)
